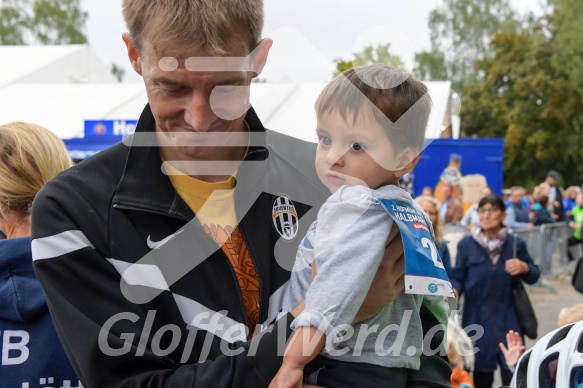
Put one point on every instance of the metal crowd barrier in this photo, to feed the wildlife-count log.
(547, 245)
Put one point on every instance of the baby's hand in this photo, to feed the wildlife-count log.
(288, 377)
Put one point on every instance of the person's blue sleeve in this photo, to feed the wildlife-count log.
(533, 273)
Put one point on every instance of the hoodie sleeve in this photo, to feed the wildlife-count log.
(350, 240)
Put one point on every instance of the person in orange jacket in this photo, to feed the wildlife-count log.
(460, 378)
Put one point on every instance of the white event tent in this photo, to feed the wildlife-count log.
(60, 87)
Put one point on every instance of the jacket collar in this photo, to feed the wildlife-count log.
(145, 187)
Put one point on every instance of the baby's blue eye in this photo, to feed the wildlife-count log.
(325, 141)
(356, 146)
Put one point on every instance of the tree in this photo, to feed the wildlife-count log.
(118, 71)
(14, 22)
(568, 34)
(370, 55)
(42, 21)
(460, 34)
(59, 22)
(532, 104)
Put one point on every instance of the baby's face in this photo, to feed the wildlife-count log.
(358, 153)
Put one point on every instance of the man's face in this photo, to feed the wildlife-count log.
(446, 191)
(191, 101)
(551, 181)
(353, 153)
(516, 196)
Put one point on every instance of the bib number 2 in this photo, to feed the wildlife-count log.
(427, 243)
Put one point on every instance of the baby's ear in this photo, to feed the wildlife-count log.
(406, 161)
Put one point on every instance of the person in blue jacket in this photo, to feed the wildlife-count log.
(32, 355)
(488, 262)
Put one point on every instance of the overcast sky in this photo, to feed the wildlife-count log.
(308, 34)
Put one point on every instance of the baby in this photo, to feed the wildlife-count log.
(371, 129)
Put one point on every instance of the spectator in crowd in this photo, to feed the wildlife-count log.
(471, 218)
(453, 230)
(540, 209)
(427, 192)
(517, 216)
(453, 216)
(506, 195)
(431, 206)
(576, 223)
(30, 156)
(447, 195)
(460, 378)
(488, 262)
(191, 225)
(570, 200)
(555, 195)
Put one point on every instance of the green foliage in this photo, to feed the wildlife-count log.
(568, 32)
(531, 103)
(42, 21)
(460, 34)
(431, 66)
(118, 72)
(370, 55)
(14, 22)
(59, 22)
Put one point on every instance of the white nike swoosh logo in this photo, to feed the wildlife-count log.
(158, 244)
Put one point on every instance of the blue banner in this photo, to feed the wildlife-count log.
(424, 270)
(118, 128)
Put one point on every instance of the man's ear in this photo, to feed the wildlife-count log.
(133, 53)
(260, 55)
(406, 161)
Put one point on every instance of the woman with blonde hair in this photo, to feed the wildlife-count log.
(30, 156)
(570, 200)
(431, 207)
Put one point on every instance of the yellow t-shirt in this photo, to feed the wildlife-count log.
(214, 206)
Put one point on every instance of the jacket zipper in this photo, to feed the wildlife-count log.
(155, 212)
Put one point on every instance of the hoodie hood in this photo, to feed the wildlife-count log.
(21, 296)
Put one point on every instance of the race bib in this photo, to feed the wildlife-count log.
(424, 270)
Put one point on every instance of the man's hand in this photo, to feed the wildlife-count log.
(389, 280)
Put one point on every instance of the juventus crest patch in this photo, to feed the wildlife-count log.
(285, 218)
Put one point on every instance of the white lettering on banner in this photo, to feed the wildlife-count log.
(18, 347)
(122, 128)
(51, 380)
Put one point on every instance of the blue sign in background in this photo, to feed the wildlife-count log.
(117, 128)
(479, 156)
(424, 270)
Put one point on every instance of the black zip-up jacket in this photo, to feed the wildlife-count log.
(142, 296)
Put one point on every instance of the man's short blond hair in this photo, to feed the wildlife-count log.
(31, 156)
(393, 92)
(195, 24)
